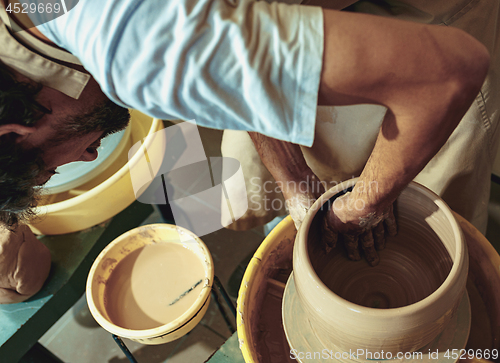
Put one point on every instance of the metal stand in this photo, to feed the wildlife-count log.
(217, 291)
(220, 291)
(124, 348)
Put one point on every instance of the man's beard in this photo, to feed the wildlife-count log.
(22, 171)
(106, 117)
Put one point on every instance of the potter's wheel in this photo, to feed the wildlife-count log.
(302, 337)
(260, 327)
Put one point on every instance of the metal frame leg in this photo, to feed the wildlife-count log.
(218, 289)
(224, 294)
(124, 348)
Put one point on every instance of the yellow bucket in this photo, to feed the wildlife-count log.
(104, 196)
(267, 272)
(120, 299)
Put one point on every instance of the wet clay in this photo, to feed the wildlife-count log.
(148, 287)
(412, 266)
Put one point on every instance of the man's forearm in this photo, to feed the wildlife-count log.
(427, 77)
(286, 163)
(284, 160)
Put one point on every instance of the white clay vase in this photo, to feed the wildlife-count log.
(402, 304)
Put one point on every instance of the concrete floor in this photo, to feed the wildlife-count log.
(77, 338)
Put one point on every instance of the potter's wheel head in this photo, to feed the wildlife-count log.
(304, 341)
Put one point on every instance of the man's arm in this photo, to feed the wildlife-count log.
(427, 76)
(286, 163)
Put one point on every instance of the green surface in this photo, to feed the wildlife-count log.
(22, 324)
(229, 352)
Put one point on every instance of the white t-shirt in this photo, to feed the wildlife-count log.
(240, 65)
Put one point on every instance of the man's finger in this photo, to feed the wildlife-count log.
(329, 236)
(351, 245)
(379, 236)
(368, 245)
(318, 189)
(390, 223)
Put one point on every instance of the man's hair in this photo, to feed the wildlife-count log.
(17, 100)
(19, 168)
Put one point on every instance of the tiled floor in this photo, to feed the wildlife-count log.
(76, 337)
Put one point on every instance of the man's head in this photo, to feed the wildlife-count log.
(42, 129)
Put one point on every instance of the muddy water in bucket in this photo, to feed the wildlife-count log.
(153, 285)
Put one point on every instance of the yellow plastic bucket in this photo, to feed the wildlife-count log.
(104, 196)
(271, 258)
(133, 298)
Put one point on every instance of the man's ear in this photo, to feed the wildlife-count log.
(20, 130)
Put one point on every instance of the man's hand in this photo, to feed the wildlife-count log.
(357, 228)
(351, 216)
(347, 219)
(427, 77)
(301, 196)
